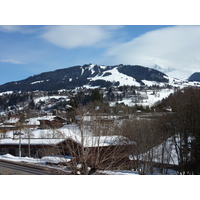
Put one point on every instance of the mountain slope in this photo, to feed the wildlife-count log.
(90, 75)
(195, 77)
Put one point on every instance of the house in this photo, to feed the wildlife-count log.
(13, 123)
(31, 123)
(51, 122)
(107, 151)
(37, 147)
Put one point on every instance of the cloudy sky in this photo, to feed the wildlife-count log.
(32, 49)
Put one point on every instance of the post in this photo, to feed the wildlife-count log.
(29, 150)
(20, 144)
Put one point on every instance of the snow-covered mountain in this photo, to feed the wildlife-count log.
(195, 77)
(182, 74)
(88, 75)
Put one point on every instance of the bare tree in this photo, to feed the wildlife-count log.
(146, 134)
(90, 148)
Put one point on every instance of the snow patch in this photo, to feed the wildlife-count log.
(46, 98)
(119, 172)
(8, 92)
(91, 68)
(37, 82)
(10, 157)
(115, 76)
(56, 159)
(151, 83)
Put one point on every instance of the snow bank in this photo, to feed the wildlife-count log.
(119, 172)
(56, 159)
(10, 157)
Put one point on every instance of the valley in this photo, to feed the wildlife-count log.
(121, 109)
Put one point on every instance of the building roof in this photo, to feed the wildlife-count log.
(71, 132)
(9, 141)
(32, 121)
(49, 118)
(87, 141)
(12, 120)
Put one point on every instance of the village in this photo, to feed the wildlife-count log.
(90, 129)
(54, 136)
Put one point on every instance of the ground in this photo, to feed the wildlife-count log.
(54, 160)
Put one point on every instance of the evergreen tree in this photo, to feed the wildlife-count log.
(184, 126)
(31, 105)
(96, 96)
(9, 115)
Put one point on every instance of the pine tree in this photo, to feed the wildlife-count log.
(96, 96)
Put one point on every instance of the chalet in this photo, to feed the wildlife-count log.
(37, 146)
(13, 123)
(106, 148)
(51, 122)
(31, 123)
(106, 152)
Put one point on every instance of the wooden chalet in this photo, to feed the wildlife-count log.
(51, 122)
(13, 123)
(38, 147)
(103, 153)
(31, 123)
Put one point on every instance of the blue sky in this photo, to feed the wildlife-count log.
(27, 50)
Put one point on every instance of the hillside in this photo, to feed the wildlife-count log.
(195, 77)
(87, 75)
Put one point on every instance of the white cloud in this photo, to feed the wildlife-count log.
(72, 36)
(10, 28)
(13, 61)
(18, 28)
(173, 47)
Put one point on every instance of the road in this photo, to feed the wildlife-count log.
(11, 168)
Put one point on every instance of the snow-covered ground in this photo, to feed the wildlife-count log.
(8, 92)
(149, 97)
(46, 98)
(115, 75)
(10, 157)
(166, 153)
(119, 172)
(58, 159)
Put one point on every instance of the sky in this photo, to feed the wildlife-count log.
(40, 36)
(26, 50)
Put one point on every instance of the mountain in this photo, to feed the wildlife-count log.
(181, 74)
(88, 75)
(195, 77)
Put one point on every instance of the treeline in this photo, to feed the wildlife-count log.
(183, 125)
(13, 99)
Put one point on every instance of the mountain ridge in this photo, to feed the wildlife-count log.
(88, 75)
(195, 77)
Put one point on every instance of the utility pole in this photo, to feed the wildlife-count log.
(29, 149)
(20, 144)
